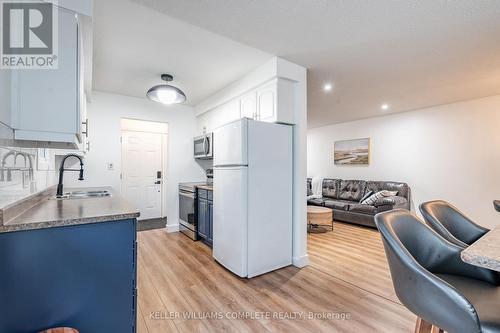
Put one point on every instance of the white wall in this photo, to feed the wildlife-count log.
(449, 152)
(105, 113)
(299, 75)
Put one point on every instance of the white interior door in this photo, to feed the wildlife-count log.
(141, 161)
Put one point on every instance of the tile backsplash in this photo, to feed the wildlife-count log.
(24, 171)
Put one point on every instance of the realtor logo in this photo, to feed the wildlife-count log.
(29, 35)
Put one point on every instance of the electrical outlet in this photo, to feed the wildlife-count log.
(111, 166)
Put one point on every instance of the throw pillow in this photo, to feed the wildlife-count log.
(366, 196)
(380, 194)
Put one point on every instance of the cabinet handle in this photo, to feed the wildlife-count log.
(88, 145)
(207, 148)
(86, 123)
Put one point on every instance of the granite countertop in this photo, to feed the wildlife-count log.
(485, 252)
(48, 212)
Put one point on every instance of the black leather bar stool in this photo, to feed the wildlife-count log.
(451, 223)
(496, 204)
(433, 282)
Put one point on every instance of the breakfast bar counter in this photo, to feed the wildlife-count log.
(485, 252)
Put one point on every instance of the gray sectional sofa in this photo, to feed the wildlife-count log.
(343, 197)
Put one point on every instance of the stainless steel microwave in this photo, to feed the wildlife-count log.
(204, 146)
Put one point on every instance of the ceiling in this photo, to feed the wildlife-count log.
(133, 45)
(408, 54)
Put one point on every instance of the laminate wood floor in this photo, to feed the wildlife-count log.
(355, 255)
(347, 288)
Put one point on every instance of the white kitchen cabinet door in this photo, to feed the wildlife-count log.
(84, 124)
(225, 114)
(83, 7)
(46, 103)
(276, 102)
(266, 102)
(273, 101)
(285, 106)
(211, 120)
(5, 95)
(85, 143)
(249, 105)
(202, 122)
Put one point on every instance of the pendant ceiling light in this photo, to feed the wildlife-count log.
(165, 93)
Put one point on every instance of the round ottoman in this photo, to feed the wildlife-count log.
(319, 217)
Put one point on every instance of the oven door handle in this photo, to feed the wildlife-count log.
(189, 195)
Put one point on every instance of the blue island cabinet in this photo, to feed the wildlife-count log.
(81, 276)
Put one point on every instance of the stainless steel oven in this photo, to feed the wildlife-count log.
(188, 220)
(204, 146)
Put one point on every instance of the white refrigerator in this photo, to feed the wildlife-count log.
(252, 221)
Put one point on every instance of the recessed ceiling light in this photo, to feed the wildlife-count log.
(384, 106)
(327, 87)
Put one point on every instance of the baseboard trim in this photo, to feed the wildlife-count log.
(300, 262)
(172, 227)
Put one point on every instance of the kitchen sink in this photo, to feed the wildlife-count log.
(85, 194)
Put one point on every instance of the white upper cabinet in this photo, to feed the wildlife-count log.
(227, 113)
(273, 101)
(83, 7)
(85, 131)
(249, 105)
(202, 124)
(47, 105)
(5, 96)
(266, 102)
(219, 116)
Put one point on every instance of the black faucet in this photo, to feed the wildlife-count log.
(61, 173)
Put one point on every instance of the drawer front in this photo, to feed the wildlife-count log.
(202, 193)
